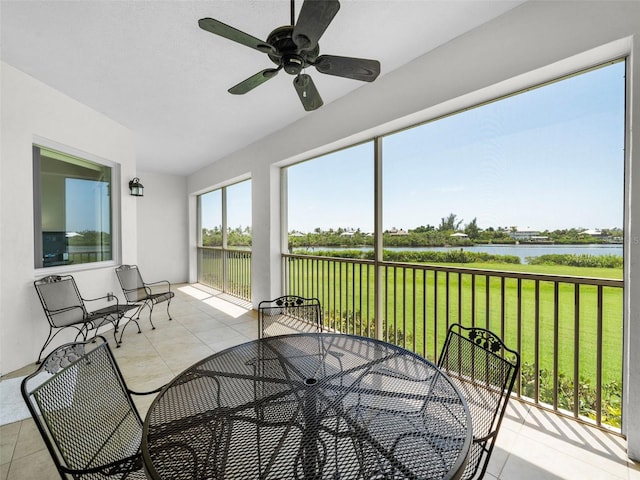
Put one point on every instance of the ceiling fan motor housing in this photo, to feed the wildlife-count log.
(288, 54)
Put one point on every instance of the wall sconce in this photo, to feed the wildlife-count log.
(136, 188)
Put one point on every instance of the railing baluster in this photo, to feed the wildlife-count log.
(473, 299)
(556, 337)
(576, 351)
(460, 280)
(519, 323)
(536, 341)
(487, 302)
(599, 359)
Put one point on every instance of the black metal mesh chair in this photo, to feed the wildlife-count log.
(85, 413)
(289, 314)
(484, 370)
(64, 308)
(142, 294)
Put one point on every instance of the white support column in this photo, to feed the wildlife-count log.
(266, 238)
(631, 381)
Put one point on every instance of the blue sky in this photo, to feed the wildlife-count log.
(548, 158)
(92, 212)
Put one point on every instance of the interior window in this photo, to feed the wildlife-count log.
(73, 211)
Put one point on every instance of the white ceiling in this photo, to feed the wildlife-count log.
(147, 65)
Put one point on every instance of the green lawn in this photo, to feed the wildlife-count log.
(615, 273)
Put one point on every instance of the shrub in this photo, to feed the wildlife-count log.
(418, 256)
(611, 410)
(572, 260)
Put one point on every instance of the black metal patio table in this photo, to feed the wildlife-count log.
(308, 406)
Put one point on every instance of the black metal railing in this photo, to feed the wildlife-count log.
(567, 329)
(226, 270)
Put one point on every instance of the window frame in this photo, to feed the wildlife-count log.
(116, 238)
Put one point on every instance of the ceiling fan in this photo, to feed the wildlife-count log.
(295, 47)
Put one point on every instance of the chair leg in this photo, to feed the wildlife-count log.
(150, 305)
(168, 314)
(131, 319)
(47, 341)
(50, 338)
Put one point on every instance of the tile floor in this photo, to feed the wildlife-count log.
(532, 444)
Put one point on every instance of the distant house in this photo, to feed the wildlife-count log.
(592, 233)
(526, 234)
(395, 232)
(459, 235)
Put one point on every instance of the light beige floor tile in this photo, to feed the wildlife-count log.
(179, 360)
(200, 322)
(516, 414)
(227, 342)
(147, 375)
(518, 468)
(550, 462)
(158, 339)
(592, 447)
(4, 471)
(248, 329)
(8, 439)
(29, 440)
(38, 466)
(501, 451)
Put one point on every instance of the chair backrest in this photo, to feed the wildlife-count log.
(289, 314)
(61, 300)
(484, 370)
(83, 410)
(131, 282)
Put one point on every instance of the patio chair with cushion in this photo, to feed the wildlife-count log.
(142, 294)
(85, 413)
(289, 314)
(484, 370)
(65, 308)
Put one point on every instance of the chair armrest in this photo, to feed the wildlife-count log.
(486, 437)
(107, 297)
(157, 283)
(63, 310)
(156, 390)
(118, 467)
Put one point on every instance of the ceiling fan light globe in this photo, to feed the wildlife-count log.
(293, 64)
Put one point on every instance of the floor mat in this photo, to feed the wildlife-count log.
(12, 406)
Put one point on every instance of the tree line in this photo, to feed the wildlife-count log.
(421, 236)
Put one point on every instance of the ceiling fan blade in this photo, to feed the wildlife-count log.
(348, 67)
(307, 92)
(224, 30)
(253, 81)
(315, 16)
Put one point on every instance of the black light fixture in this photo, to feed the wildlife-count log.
(136, 188)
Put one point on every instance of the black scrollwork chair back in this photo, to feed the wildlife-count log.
(85, 413)
(289, 314)
(484, 370)
(65, 308)
(143, 294)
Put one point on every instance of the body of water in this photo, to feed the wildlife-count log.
(522, 251)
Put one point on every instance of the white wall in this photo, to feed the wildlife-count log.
(28, 109)
(532, 43)
(162, 228)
